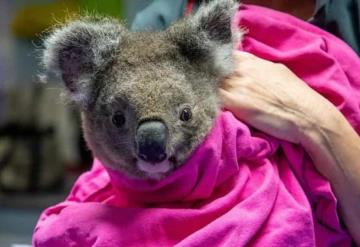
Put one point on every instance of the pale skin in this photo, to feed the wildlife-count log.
(269, 97)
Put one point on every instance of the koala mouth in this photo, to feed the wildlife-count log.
(156, 170)
(161, 167)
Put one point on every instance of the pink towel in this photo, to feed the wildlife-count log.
(240, 187)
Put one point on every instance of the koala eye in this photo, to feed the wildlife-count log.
(186, 114)
(118, 119)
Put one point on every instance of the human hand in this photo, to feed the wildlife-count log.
(269, 97)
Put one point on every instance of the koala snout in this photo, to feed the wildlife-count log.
(151, 139)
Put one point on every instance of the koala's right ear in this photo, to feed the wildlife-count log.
(78, 51)
(208, 36)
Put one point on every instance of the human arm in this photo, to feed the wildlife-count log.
(271, 98)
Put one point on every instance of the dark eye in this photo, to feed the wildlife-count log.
(185, 114)
(118, 119)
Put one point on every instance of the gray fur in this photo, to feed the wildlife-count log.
(145, 75)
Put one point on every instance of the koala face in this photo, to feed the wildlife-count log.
(147, 98)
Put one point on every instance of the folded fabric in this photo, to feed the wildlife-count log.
(240, 187)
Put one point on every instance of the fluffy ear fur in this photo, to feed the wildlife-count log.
(215, 20)
(209, 32)
(79, 51)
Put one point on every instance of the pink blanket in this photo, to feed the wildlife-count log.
(240, 187)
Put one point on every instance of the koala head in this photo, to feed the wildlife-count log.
(147, 98)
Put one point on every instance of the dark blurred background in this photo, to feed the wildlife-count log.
(41, 148)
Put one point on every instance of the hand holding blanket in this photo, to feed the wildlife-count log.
(271, 98)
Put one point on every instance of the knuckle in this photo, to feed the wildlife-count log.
(281, 66)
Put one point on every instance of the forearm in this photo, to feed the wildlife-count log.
(335, 149)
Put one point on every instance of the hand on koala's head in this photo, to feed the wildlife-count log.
(147, 98)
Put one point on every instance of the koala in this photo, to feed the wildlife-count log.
(147, 99)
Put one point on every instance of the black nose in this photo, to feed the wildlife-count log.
(151, 141)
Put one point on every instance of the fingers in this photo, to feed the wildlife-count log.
(227, 84)
(226, 97)
(231, 101)
(237, 82)
(242, 55)
(228, 102)
(244, 62)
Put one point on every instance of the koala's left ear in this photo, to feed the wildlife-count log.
(209, 32)
(78, 51)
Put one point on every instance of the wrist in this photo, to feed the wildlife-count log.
(319, 120)
(320, 136)
(334, 146)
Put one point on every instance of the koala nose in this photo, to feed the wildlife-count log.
(151, 141)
